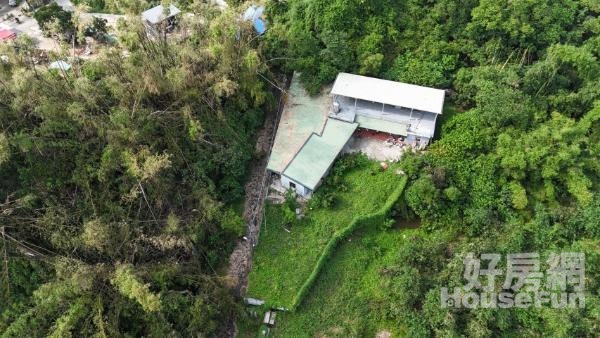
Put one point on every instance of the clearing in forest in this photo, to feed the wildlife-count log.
(284, 260)
(347, 298)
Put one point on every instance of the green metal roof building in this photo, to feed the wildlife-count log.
(317, 155)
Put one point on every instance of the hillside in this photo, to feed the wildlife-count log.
(122, 178)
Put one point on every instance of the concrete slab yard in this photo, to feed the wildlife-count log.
(302, 116)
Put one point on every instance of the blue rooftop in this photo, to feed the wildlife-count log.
(260, 26)
(254, 13)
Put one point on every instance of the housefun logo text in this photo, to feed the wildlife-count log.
(523, 284)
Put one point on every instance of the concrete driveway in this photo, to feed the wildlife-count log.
(28, 25)
(25, 25)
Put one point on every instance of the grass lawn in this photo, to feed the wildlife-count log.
(344, 301)
(283, 261)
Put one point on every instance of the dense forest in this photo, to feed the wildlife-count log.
(515, 167)
(117, 181)
(118, 178)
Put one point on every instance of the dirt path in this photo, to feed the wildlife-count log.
(240, 261)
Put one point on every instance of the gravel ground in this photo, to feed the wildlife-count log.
(375, 149)
(28, 25)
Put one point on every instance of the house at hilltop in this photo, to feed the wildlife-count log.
(313, 130)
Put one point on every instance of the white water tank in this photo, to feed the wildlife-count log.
(336, 107)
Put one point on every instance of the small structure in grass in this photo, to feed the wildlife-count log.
(269, 318)
(60, 65)
(160, 20)
(254, 301)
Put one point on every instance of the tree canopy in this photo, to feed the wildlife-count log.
(514, 167)
(117, 182)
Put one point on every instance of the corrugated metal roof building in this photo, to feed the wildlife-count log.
(315, 158)
(314, 130)
(158, 20)
(388, 106)
(255, 14)
(389, 92)
(301, 117)
(156, 15)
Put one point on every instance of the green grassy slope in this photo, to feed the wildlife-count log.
(283, 260)
(344, 301)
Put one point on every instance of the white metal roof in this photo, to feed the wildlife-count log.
(389, 92)
(62, 65)
(156, 14)
(254, 12)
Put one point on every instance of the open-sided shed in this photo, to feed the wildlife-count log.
(159, 19)
(387, 106)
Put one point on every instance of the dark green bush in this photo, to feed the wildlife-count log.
(47, 14)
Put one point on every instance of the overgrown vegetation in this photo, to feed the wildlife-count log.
(134, 7)
(420, 42)
(516, 167)
(365, 190)
(115, 179)
(376, 219)
(348, 295)
(53, 19)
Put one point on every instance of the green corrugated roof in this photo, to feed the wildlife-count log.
(316, 156)
(302, 116)
(395, 128)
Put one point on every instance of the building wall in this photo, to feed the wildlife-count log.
(417, 141)
(300, 189)
(151, 30)
(422, 123)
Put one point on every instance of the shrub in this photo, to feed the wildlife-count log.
(232, 222)
(323, 199)
(97, 29)
(93, 71)
(288, 216)
(48, 14)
